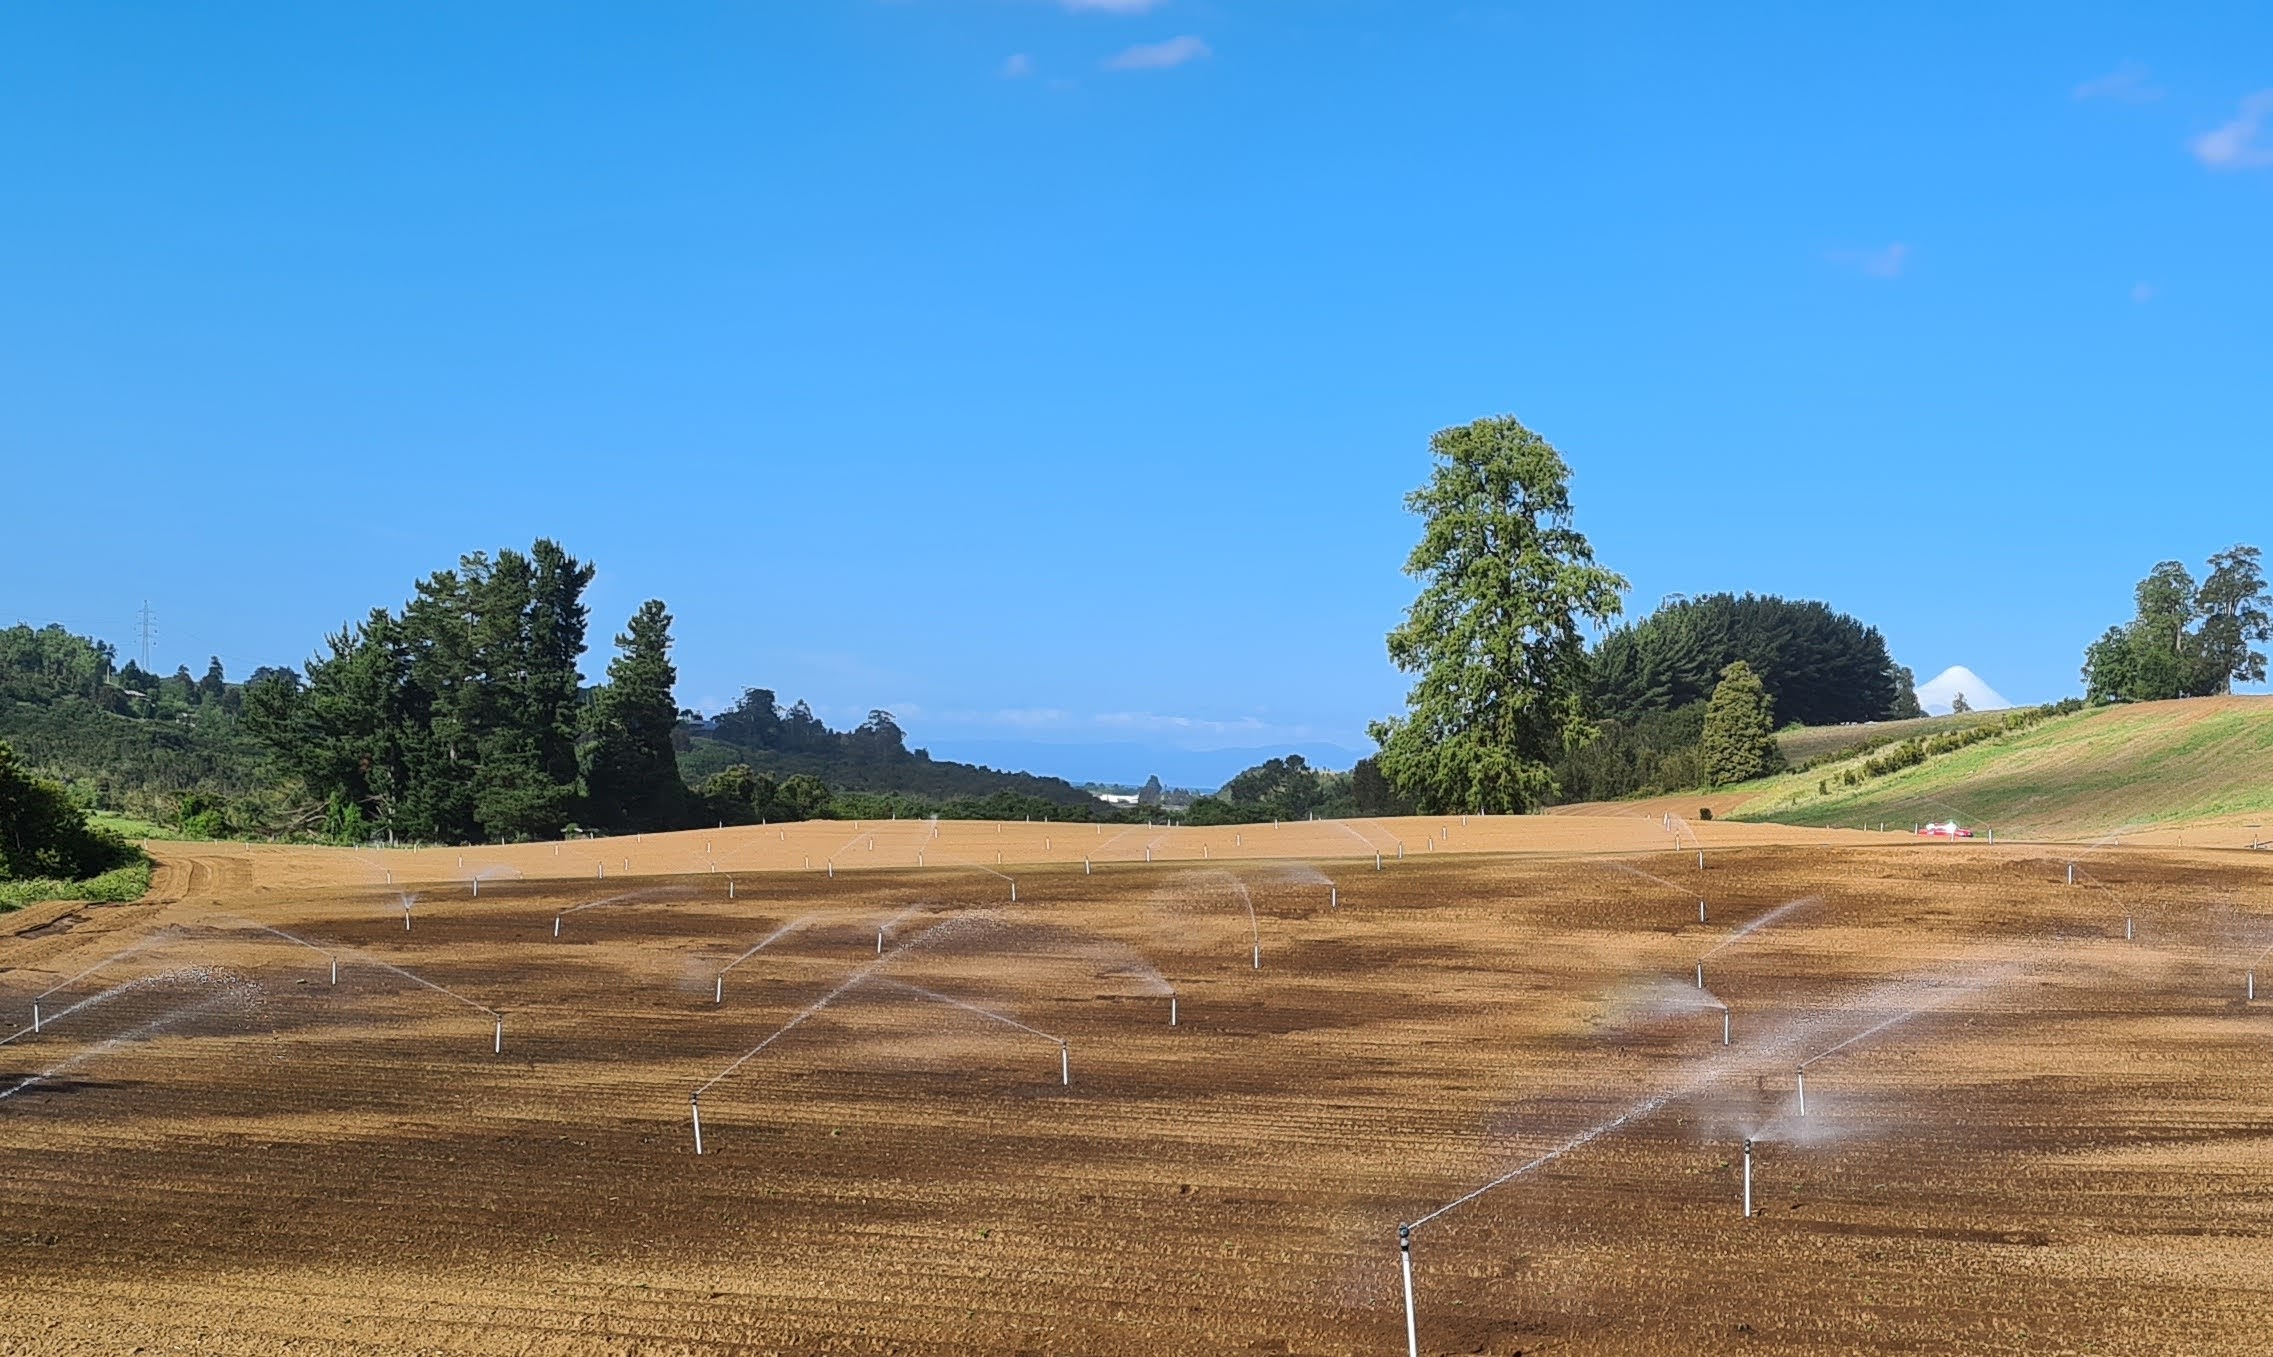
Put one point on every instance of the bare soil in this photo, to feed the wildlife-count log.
(2062, 1143)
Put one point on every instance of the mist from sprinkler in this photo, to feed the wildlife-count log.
(147, 1030)
(329, 956)
(718, 992)
(1065, 1058)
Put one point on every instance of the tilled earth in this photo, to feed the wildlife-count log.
(2059, 1141)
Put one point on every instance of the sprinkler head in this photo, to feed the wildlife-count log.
(1405, 1238)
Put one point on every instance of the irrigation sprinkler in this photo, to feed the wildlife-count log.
(1171, 1008)
(2128, 932)
(1333, 897)
(694, 1106)
(556, 925)
(1801, 1076)
(730, 888)
(2071, 874)
(1700, 975)
(1405, 1257)
(335, 970)
(1065, 1065)
(1700, 859)
(1148, 853)
(603, 871)
(2252, 985)
(1014, 892)
(1700, 911)
(406, 918)
(35, 1016)
(1258, 956)
(477, 888)
(1724, 1025)
(718, 990)
(1086, 869)
(832, 869)
(1377, 862)
(879, 942)
(1748, 1178)
(1400, 850)
(497, 1047)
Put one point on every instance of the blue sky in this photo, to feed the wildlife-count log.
(1050, 372)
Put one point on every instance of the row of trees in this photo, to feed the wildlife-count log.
(2186, 640)
(463, 716)
(1509, 708)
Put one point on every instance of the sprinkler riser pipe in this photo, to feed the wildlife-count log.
(1171, 1010)
(2253, 984)
(1258, 956)
(1700, 911)
(1405, 1260)
(335, 970)
(1802, 1077)
(718, 991)
(1748, 1180)
(1724, 1027)
(35, 1015)
(694, 1106)
(1333, 897)
(1065, 1066)
(497, 1046)
(556, 925)
(1700, 975)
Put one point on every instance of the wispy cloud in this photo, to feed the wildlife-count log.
(1017, 66)
(1159, 56)
(2126, 84)
(1111, 6)
(1160, 723)
(2236, 145)
(1882, 263)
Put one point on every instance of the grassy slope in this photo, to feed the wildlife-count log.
(1803, 743)
(2092, 772)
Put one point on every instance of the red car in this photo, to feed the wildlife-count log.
(1947, 829)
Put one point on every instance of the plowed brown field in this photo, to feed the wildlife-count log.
(2061, 1140)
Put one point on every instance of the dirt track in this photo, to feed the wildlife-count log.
(2064, 1147)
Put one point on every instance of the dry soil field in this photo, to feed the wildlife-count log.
(2025, 1132)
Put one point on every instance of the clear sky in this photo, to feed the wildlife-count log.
(1050, 371)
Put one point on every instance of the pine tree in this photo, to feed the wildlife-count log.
(1740, 728)
(631, 772)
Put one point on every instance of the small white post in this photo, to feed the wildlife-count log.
(1748, 1180)
(1405, 1258)
(1802, 1076)
(694, 1106)
(497, 1046)
(1065, 1065)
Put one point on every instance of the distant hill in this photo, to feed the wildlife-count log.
(872, 758)
(2095, 771)
(1803, 745)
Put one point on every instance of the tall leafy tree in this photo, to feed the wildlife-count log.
(1822, 667)
(1494, 636)
(631, 775)
(2184, 640)
(1739, 741)
(2237, 613)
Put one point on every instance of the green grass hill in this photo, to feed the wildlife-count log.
(2094, 771)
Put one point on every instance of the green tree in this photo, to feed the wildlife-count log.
(1739, 740)
(1958, 706)
(1494, 634)
(631, 775)
(2184, 641)
(2237, 613)
(42, 834)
